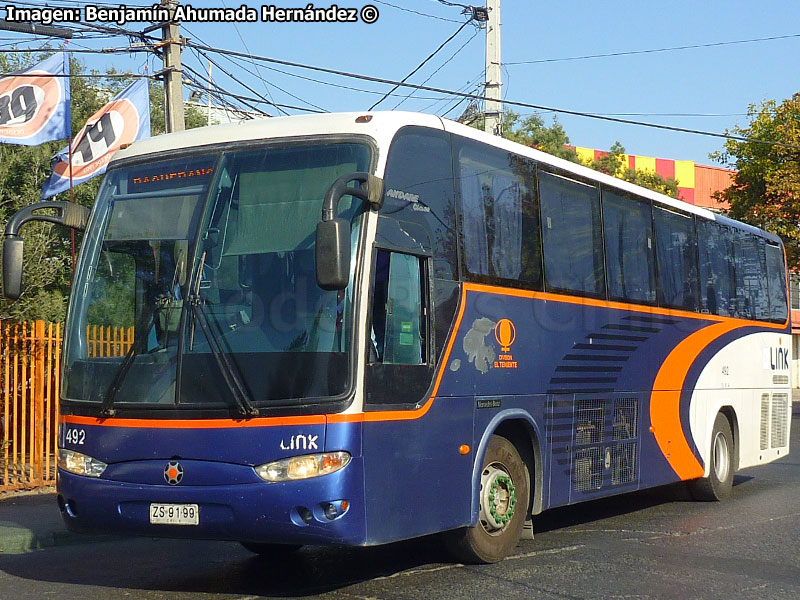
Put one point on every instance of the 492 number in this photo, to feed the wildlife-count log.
(76, 436)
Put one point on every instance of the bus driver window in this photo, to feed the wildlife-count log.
(397, 332)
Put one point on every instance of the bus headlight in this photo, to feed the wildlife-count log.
(80, 464)
(303, 467)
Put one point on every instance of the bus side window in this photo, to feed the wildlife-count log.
(398, 326)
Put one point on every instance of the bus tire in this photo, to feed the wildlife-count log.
(719, 483)
(504, 497)
(271, 550)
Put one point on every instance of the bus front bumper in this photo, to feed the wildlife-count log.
(321, 510)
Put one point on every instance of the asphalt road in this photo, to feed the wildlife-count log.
(653, 544)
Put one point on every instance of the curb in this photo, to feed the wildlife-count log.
(32, 521)
(20, 540)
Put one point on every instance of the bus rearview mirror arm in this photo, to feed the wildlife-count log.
(67, 214)
(333, 233)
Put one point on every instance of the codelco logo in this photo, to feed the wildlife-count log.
(102, 136)
(27, 103)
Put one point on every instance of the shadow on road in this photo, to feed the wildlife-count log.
(198, 568)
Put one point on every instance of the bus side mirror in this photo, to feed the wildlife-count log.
(333, 233)
(12, 267)
(333, 254)
(68, 214)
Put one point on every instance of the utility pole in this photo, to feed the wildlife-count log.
(494, 108)
(173, 75)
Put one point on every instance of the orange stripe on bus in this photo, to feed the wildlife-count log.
(665, 400)
(406, 415)
(194, 424)
(638, 308)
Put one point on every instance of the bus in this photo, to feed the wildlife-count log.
(362, 328)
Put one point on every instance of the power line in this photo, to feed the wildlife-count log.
(263, 81)
(442, 66)
(416, 12)
(220, 93)
(422, 64)
(654, 50)
(483, 98)
(236, 63)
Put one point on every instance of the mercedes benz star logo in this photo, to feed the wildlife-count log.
(173, 473)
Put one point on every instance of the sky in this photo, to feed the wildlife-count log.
(666, 87)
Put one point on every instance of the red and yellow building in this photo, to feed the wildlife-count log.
(696, 183)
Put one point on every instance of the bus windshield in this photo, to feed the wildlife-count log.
(201, 269)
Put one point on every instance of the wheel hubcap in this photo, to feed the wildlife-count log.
(721, 457)
(498, 499)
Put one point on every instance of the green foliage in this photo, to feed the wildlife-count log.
(533, 132)
(766, 188)
(23, 171)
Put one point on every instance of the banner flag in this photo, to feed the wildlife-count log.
(120, 122)
(34, 103)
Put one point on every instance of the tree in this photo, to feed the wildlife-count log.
(532, 131)
(23, 171)
(766, 187)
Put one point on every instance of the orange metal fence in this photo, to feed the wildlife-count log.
(30, 366)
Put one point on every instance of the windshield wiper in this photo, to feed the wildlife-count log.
(107, 407)
(228, 369)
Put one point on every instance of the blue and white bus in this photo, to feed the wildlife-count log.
(473, 332)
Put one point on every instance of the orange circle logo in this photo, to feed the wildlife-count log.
(27, 104)
(505, 333)
(113, 126)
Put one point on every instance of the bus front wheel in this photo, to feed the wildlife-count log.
(503, 504)
(719, 483)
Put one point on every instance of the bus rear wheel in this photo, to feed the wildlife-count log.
(503, 503)
(719, 483)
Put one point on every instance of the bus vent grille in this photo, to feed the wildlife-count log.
(589, 416)
(764, 421)
(780, 419)
(588, 470)
(780, 379)
(626, 419)
(623, 463)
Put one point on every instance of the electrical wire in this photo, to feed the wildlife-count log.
(263, 81)
(236, 62)
(422, 64)
(652, 51)
(576, 113)
(416, 12)
(443, 65)
(247, 87)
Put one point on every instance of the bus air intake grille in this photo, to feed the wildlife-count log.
(623, 463)
(764, 431)
(626, 419)
(589, 416)
(780, 420)
(780, 380)
(588, 475)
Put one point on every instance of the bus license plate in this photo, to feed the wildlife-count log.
(174, 514)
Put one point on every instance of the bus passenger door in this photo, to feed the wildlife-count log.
(411, 459)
